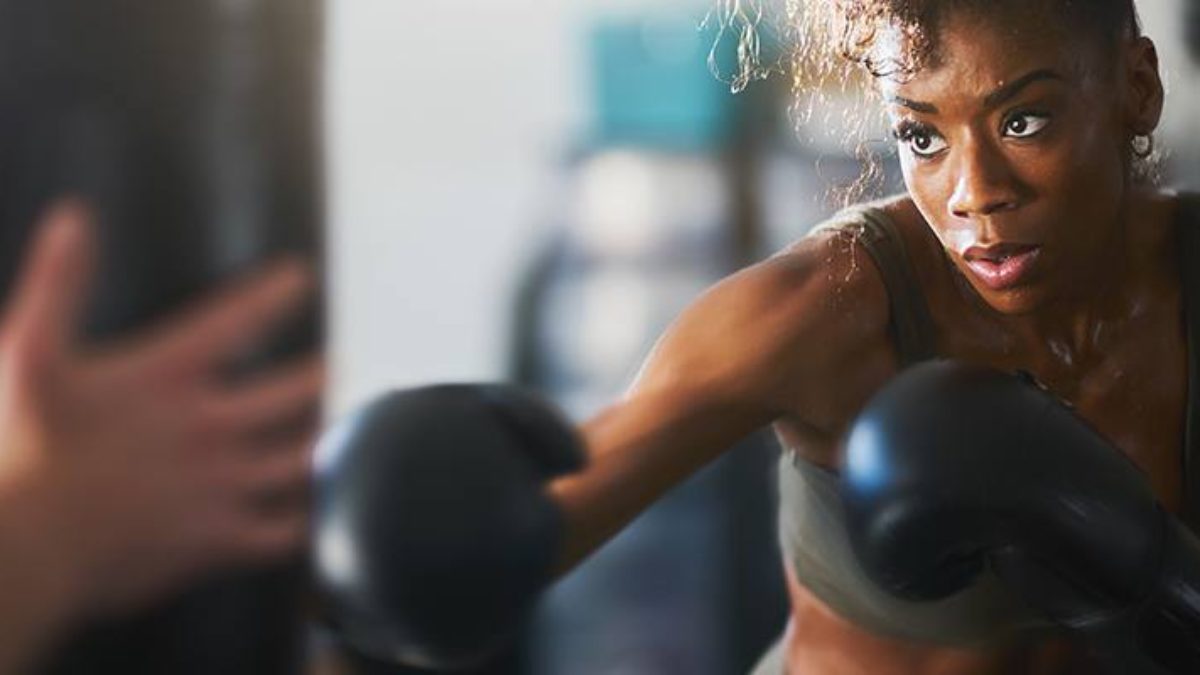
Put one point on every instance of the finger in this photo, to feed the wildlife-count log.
(284, 470)
(226, 322)
(46, 301)
(269, 400)
(261, 538)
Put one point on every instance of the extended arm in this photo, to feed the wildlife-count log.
(439, 515)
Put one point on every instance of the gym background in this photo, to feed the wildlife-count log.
(530, 190)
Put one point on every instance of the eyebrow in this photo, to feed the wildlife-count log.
(1010, 90)
(992, 100)
(918, 106)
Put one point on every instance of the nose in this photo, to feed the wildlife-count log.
(984, 181)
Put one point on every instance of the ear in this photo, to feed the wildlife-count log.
(1144, 87)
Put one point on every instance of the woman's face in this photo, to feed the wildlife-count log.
(1014, 146)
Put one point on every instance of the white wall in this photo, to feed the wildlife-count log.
(444, 119)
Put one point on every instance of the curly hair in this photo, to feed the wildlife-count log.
(825, 35)
(833, 48)
(855, 25)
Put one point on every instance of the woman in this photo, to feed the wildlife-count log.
(1025, 241)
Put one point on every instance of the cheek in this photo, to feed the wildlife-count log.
(922, 185)
(1084, 165)
(954, 235)
(930, 193)
(1083, 185)
(958, 238)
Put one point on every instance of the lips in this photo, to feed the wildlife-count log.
(1002, 266)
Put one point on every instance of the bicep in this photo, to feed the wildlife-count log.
(792, 335)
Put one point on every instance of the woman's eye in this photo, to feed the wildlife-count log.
(1025, 125)
(924, 143)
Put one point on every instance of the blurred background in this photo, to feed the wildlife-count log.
(530, 190)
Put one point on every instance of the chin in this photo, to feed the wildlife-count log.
(1018, 301)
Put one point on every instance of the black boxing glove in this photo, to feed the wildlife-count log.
(433, 530)
(953, 467)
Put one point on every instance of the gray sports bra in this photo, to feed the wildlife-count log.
(811, 521)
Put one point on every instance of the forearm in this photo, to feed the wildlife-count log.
(636, 453)
(36, 591)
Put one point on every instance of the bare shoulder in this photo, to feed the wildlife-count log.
(783, 335)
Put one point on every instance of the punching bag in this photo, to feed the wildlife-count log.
(190, 127)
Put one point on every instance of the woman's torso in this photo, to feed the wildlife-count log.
(1125, 374)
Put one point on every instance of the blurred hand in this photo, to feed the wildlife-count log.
(141, 466)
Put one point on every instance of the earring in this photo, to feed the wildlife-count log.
(1143, 145)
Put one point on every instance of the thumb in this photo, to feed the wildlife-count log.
(45, 302)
